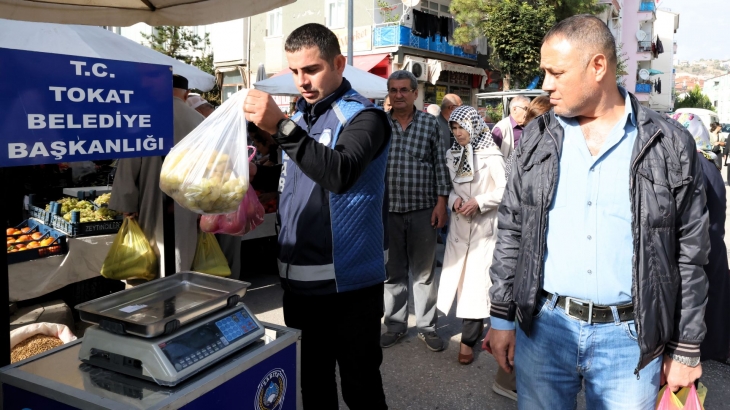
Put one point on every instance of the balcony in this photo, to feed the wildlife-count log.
(395, 35)
(643, 88)
(644, 47)
(647, 6)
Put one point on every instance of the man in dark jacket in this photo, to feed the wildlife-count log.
(333, 214)
(603, 234)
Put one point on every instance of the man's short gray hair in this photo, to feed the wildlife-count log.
(404, 75)
(589, 33)
(518, 99)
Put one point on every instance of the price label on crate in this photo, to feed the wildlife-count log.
(60, 108)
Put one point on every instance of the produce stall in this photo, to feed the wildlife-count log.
(49, 116)
(34, 278)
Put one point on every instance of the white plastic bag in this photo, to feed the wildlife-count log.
(49, 329)
(207, 172)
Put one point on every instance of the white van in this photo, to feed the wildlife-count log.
(706, 116)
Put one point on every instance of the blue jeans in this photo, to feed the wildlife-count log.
(563, 353)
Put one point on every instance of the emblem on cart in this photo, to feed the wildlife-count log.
(271, 391)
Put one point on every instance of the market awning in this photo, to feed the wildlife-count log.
(95, 42)
(129, 12)
(367, 63)
(435, 67)
(367, 84)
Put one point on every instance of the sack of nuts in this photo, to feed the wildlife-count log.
(28, 341)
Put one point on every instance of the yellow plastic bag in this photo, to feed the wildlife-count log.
(131, 255)
(688, 398)
(209, 257)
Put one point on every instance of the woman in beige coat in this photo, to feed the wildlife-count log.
(477, 171)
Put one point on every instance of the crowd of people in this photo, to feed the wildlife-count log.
(621, 292)
(611, 296)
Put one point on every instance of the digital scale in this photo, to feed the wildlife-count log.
(168, 329)
(180, 342)
(170, 359)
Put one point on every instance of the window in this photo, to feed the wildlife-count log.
(274, 23)
(335, 13)
(438, 8)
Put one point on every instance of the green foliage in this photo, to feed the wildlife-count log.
(182, 44)
(621, 65)
(515, 29)
(695, 99)
(566, 8)
(494, 113)
(386, 12)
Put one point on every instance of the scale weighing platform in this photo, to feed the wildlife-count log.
(183, 341)
(170, 359)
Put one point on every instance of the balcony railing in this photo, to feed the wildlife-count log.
(394, 35)
(643, 88)
(644, 46)
(647, 6)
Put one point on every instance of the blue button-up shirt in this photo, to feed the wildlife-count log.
(589, 242)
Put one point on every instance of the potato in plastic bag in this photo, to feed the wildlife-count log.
(209, 257)
(207, 172)
(130, 255)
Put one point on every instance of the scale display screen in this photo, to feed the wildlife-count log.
(203, 341)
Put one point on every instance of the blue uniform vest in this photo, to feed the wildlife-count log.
(332, 242)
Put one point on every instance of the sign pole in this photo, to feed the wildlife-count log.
(4, 289)
(350, 25)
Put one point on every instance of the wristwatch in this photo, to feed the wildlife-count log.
(286, 127)
(685, 360)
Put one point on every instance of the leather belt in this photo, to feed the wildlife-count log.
(586, 311)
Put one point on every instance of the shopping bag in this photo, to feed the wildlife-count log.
(249, 215)
(131, 255)
(209, 257)
(688, 398)
(207, 172)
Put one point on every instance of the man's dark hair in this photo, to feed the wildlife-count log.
(314, 35)
(589, 33)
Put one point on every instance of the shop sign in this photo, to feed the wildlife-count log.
(362, 38)
(440, 93)
(60, 108)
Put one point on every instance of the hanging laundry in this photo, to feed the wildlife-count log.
(444, 28)
(433, 26)
(452, 26)
(659, 46)
(658, 86)
(420, 24)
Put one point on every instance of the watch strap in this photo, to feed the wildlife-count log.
(685, 360)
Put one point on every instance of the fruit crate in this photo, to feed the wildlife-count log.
(40, 214)
(58, 245)
(77, 229)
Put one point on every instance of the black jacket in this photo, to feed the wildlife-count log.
(669, 229)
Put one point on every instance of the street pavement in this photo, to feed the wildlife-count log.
(415, 378)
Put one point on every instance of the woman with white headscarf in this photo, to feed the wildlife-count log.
(716, 344)
(477, 171)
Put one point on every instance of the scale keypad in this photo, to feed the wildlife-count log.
(235, 326)
(204, 341)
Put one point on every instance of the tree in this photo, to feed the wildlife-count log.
(566, 8)
(515, 29)
(182, 44)
(695, 99)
